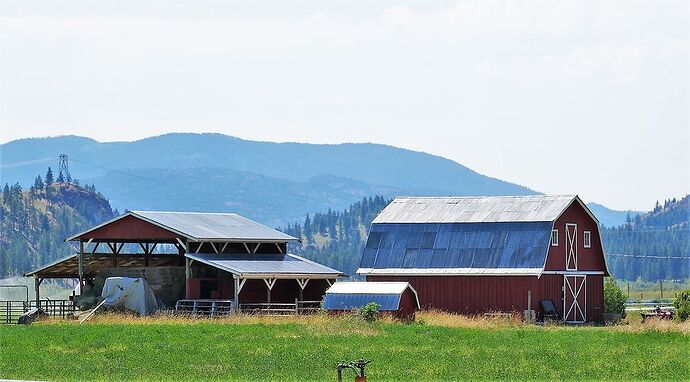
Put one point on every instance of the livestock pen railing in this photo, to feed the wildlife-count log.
(281, 308)
(205, 307)
(55, 308)
(11, 310)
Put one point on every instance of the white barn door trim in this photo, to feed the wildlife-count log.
(570, 246)
(575, 288)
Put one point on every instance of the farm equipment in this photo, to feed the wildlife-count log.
(658, 312)
(356, 366)
(549, 310)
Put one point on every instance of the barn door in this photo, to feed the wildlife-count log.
(571, 247)
(575, 298)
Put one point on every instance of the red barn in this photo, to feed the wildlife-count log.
(473, 255)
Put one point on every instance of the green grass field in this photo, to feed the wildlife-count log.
(309, 349)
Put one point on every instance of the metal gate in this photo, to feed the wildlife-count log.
(575, 298)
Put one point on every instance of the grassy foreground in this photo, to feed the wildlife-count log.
(309, 348)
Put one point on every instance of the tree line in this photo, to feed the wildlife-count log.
(653, 246)
(337, 238)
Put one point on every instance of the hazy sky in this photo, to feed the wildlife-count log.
(587, 97)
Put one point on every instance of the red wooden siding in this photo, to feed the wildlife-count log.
(129, 228)
(588, 259)
(408, 306)
(595, 298)
(481, 294)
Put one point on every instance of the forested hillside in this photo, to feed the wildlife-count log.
(34, 223)
(336, 238)
(652, 246)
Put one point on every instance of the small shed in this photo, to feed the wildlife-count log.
(397, 298)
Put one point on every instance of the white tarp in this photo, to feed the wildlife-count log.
(131, 293)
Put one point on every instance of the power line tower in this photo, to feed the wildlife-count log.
(63, 167)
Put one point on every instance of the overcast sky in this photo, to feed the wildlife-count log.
(587, 97)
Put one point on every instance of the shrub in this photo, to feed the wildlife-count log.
(682, 305)
(370, 312)
(614, 298)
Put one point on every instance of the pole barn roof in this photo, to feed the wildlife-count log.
(201, 226)
(278, 266)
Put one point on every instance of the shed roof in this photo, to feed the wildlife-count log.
(356, 294)
(262, 266)
(477, 209)
(94, 264)
(368, 287)
(205, 226)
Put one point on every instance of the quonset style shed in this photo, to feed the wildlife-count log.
(396, 298)
(221, 255)
(474, 255)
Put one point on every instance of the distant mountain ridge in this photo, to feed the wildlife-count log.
(275, 183)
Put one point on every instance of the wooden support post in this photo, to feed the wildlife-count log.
(37, 284)
(187, 276)
(81, 267)
(269, 285)
(236, 290)
(181, 250)
(113, 249)
(146, 255)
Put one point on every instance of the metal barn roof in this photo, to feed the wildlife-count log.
(202, 226)
(476, 209)
(277, 266)
(352, 295)
(456, 249)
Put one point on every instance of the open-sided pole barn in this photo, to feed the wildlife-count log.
(196, 256)
(475, 255)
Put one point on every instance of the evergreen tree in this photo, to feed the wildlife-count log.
(60, 178)
(38, 183)
(49, 177)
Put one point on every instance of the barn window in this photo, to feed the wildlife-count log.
(554, 238)
(588, 239)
